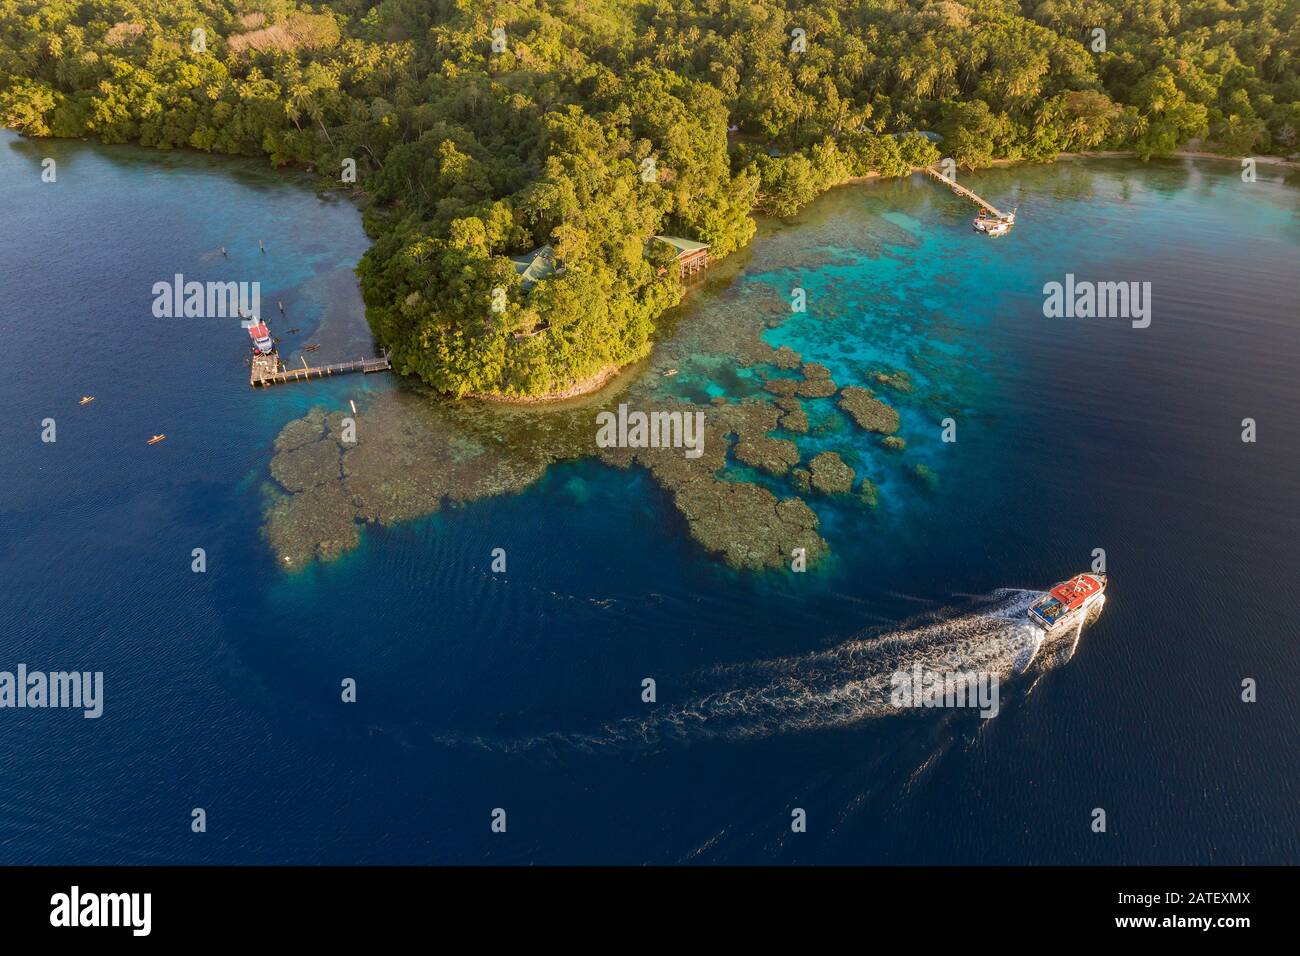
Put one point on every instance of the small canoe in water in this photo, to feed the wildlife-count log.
(310, 348)
(156, 439)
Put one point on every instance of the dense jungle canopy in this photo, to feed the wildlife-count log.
(481, 130)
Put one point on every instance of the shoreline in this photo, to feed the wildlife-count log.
(609, 374)
(1263, 160)
(579, 389)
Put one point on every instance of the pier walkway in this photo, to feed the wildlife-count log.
(963, 191)
(267, 373)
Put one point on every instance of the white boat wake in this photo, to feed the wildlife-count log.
(836, 687)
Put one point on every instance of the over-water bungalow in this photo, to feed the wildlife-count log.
(692, 257)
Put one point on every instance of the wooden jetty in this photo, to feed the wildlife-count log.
(267, 369)
(964, 192)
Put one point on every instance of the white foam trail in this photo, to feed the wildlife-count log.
(1091, 615)
(1033, 653)
(840, 685)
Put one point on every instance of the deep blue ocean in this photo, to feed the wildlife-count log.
(523, 691)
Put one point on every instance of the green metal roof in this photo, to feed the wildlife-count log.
(535, 266)
(682, 245)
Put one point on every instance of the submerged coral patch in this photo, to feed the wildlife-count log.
(747, 524)
(772, 455)
(868, 411)
(899, 380)
(830, 475)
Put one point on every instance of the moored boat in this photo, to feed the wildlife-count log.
(1068, 599)
(994, 225)
(261, 336)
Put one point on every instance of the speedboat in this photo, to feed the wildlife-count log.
(86, 399)
(1067, 600)
(156, 439)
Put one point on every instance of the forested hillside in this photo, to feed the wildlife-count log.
(481, 130)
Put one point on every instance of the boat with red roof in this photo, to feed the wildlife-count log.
(1067, 599)
(258, 331)
(265, 360)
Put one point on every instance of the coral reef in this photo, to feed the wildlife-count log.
(868, 494)
(925, 476)
(868, 411)
(747, 525)
(773, 455)
(786, 358)
(795, 418)
(416, 453)
(413, 453)
(899, 380)
(785, 387)
(830, 475)
(816, 382)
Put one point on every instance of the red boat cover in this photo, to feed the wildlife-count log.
(1073, 592)
(259, 331)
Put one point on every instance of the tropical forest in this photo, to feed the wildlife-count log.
(515, 160)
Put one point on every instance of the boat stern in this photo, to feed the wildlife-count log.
(1048, 613)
